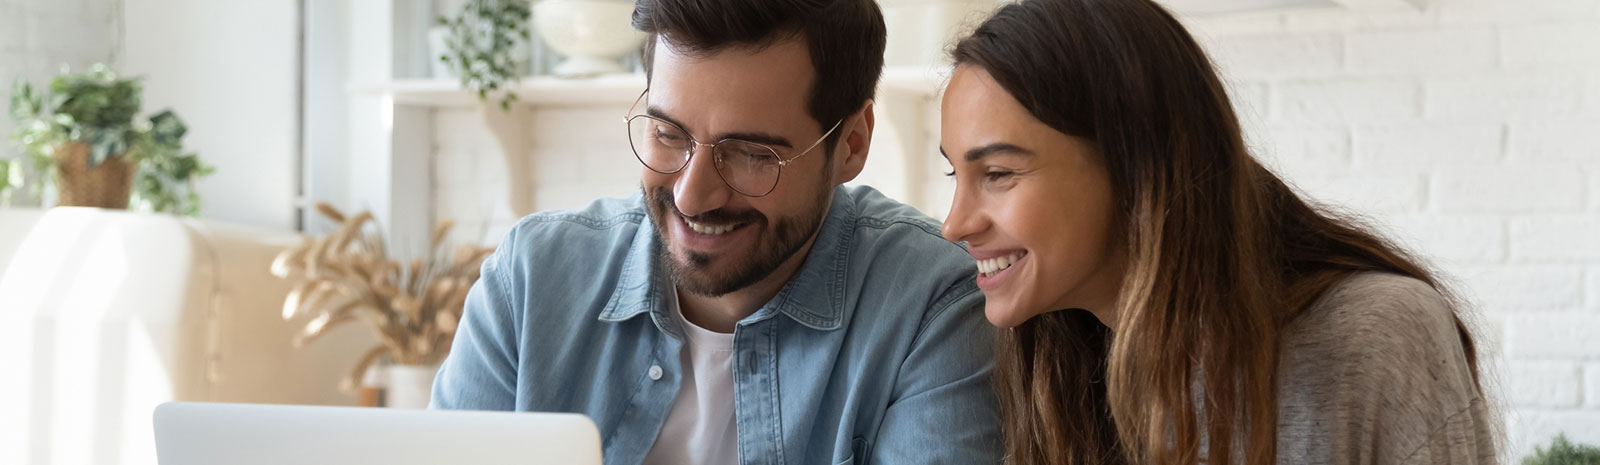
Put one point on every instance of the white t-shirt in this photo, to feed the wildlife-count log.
(700, 429)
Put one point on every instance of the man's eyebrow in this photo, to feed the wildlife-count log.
(657, 113)
(997, 148)
(757, 137)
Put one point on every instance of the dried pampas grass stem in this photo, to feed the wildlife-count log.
(414, 307)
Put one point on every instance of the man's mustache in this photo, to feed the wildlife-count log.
(720, 217)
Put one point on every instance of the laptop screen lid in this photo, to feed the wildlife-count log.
(196, 433)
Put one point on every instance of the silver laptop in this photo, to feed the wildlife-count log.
(192, 433)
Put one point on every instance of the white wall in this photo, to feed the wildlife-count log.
(37, 37)
(326, 123)
(230, 70)
(1472, 129)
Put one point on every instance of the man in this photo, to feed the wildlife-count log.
(744, 308)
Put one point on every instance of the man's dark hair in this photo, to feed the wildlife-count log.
(845, 38)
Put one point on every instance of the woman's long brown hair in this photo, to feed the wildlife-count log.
(1221, 253)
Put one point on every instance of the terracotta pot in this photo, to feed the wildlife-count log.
(106, 185)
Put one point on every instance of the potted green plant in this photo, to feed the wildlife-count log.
(484, 44)
(83, 135)
(1562, 452)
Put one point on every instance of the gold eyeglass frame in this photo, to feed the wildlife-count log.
(717, 160)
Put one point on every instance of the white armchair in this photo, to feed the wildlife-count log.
(105, 314)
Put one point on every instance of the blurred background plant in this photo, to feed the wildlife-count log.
(349, 276)
(166, 172)
(98, 110)
(486, 46)
(1563, 452)
(11, 172)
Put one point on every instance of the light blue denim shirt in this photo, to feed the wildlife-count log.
(876, 351)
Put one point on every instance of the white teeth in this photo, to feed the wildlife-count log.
(993, 266)
(708, 230)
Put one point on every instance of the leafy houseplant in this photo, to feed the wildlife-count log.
(349, 276)
(10, 179)
(82, 134)
(482, 46)
(1562, 452)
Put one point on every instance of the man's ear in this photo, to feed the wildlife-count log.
(850, 154)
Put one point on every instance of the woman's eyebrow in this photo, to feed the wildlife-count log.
(997, 148)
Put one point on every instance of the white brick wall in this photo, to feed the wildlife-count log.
(1518, 93)
(1570, 238)
(1424, 145)
(1568, 140)
(1544, 384)
(1292, 147)
(1469, 129)
(1293, 56)
(1591, 385)
(1492, 107)
(1344, 99)
(1456, 238)
(1509, 188)
(1529, 46)
(1558, 335)
(1400, 192)
(1479, 12)
(1594, 89)
(1592, 298)
(38, 37)
(578, 153)
(1507, 288)
(1414, 52)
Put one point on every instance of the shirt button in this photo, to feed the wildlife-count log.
(655, 372)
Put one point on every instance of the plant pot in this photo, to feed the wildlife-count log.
(106, 185)
(409, 386)
(591, 34)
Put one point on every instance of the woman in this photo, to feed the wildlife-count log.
(1171, 300)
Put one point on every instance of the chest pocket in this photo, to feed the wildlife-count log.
(858, 452)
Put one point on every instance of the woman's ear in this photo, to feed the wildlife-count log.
(850, 154)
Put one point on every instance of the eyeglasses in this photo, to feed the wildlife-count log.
(749, 168)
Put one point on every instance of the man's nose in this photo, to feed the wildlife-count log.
(699, 188)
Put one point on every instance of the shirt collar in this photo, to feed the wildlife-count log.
(813, 297)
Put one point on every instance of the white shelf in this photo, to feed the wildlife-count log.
(541, 90)
(904, 95)
(1223, 8)
(608, 89)
(919, 79)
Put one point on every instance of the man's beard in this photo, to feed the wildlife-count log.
(777, 242)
